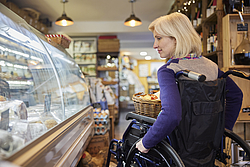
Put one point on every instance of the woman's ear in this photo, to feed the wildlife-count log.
(174, 40)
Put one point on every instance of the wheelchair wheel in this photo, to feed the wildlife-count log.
(162, 155)
(235, 151)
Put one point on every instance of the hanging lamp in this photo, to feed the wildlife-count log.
(132, 21)
(64, 20)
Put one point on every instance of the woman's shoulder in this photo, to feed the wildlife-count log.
(164, 69)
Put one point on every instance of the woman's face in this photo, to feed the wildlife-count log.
(165, 45)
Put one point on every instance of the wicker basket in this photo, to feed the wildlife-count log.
(150, 108)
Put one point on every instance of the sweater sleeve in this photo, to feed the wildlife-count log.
(234, 98)
(170, 115)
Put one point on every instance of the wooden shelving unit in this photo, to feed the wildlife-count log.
(109, 75)
(100, 68)
(84, 52)
(228, 39)
(215, 18)
(231, 39)
(109, 82)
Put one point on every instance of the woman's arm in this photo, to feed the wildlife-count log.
(170, 115)
(234, 98)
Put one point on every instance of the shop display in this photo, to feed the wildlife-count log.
(100, 92)
(210, 27)
(41, 86)
(9, 143)
(101, 118)
(236, 57)
(60, 39)
(108, 71)
(84, 52)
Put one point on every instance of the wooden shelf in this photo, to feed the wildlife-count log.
(210, 54)
(212, 18)
(84, 53)
(240, 67)
(107, 52)
(84, 64)
(99, 68)
(109, 82)
(104, 54)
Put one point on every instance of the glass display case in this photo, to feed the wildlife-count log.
(45, 112)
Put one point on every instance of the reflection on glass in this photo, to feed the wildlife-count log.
(40, 86)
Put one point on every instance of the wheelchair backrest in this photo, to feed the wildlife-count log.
(201, 128)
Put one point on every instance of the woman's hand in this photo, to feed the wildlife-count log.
(141, 148)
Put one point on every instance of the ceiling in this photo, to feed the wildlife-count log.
(105, 17)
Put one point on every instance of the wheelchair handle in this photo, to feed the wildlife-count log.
(140, 118)
(236, 73)
(192, 75)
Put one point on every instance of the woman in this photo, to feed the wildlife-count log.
(175, 38)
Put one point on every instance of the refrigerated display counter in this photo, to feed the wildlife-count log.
(46, 118)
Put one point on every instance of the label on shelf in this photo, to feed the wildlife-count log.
(240, 27)
(247, 109)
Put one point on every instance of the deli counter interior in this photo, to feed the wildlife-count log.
(46, 114)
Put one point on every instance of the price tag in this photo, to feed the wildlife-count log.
(240, 27)
(4, 122)
(246, 109)
(47, 103)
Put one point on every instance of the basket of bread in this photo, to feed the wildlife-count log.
(147, 104)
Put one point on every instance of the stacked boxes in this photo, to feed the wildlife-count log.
(108, 44)
(26, 14)
(59, 39)
(101, 138)
(97, 143)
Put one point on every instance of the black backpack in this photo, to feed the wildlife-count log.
(200, 131)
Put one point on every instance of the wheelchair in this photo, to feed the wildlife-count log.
(164, 154)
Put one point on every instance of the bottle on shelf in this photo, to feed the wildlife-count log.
(208, 11)
(213, 7)
(246, 6)
(238, 5)
(208, 44)
(231, 4)
(195, 18)
(242, 52)
(199, 15)
(211, 32)
(215, 37)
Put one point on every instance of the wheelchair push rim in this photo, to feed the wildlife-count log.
(162, 155)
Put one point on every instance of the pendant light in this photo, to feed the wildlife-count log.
(64, 20)
(132, 21)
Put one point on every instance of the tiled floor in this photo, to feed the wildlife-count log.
(123, 123)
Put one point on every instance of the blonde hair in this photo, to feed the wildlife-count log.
(178, 26)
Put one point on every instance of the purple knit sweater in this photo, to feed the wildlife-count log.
(170, 99)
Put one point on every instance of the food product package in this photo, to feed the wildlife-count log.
(9, 143)
(19, 108)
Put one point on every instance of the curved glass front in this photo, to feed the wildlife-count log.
(40, 85)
